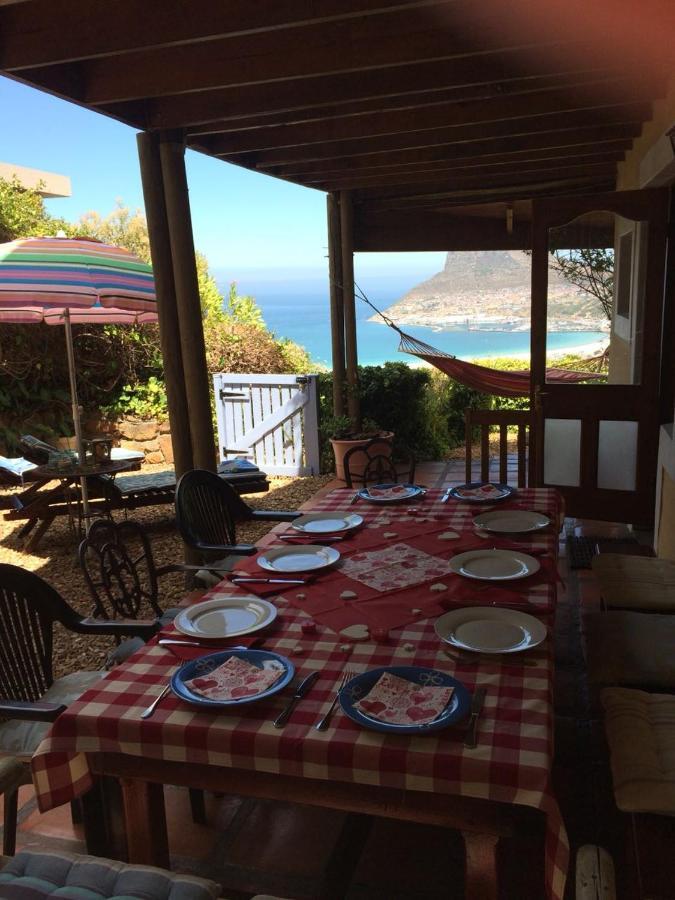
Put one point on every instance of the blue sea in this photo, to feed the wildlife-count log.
(296, 305)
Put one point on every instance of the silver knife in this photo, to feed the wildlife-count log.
(477, 701)
(300, 692)
(446, 496)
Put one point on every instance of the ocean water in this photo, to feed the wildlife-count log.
(297, 307)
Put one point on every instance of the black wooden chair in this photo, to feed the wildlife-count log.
(372, 463)
(30, 697)
(207, 513)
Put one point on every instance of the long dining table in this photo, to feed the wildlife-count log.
(393, 578)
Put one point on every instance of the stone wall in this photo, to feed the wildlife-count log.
(148, 435)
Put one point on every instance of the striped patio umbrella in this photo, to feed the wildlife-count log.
(64, 281)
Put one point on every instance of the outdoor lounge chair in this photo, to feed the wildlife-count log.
(107, 493)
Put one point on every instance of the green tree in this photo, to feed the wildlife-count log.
(23, 213)
(591, 270)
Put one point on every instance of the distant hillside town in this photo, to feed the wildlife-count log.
(490, 291)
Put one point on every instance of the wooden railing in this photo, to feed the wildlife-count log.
(485, 419)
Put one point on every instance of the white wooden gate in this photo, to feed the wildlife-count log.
(271, 419)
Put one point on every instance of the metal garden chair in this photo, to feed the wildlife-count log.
(368, 464)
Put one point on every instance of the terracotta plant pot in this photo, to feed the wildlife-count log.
(357, 465)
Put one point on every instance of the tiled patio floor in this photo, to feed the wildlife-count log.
(300, 852)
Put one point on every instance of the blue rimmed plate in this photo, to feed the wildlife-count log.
(408, 492)
(456, 710)
(482, 492)
(206, 664)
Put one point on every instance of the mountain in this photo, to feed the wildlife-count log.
(490, 289)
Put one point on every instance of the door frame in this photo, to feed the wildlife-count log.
(596, 402)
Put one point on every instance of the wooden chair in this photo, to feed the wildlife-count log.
(30, 697)
(485, 419)
(207, 513)
(370, 465)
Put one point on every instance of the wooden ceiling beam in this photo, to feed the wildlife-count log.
(345, 115)
(441, 187)
(44, 33)
(634, 113)
(523, 167)
(610, 150)
(376, 85)
(398, 38)
(555, 102)
(507, 194)
(612, 137)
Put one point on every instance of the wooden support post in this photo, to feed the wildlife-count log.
(337, 322)
(197, 387)
(539, 289)
(162, 267)
(351, 354)
(145, 814)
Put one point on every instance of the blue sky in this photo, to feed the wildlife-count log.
(241, 220)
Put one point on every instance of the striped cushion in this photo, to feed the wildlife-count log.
(635, 582)
(35, 876)
(641, 735)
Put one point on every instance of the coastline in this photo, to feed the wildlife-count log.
(595, 348)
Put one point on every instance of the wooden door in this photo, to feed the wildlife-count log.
(598, 442)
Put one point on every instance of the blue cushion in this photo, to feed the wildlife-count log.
(34, 876)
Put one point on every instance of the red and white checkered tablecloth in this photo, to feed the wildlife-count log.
(512, 762)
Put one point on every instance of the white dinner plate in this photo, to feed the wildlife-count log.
(327, 523)
(225, 616)
(494, 565)
(301, 558)
(490, 629)
(512, 521)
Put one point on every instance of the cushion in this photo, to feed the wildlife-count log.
(33, 876)
(632, 649)
(17, 465)
(635, 582)
(22, 738)
(641, 735)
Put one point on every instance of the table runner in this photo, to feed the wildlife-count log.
(511, 763)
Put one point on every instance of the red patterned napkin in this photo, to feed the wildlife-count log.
(401, 702)
(484, 492)
(234, 679)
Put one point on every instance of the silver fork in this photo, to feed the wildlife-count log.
(323, 723)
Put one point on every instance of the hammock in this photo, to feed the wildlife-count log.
(480, 378)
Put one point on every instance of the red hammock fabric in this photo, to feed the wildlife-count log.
(496, 381)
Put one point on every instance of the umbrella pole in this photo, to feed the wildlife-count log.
(76, 414)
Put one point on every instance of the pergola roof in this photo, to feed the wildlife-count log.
(414, 106)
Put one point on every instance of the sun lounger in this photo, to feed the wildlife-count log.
(37, 507)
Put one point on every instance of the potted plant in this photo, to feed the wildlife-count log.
(343, 436)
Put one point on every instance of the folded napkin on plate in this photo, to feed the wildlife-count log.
(401, 702)
(483, 492)
(234, 679)
(396, 490)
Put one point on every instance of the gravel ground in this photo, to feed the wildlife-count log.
(55, 560)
